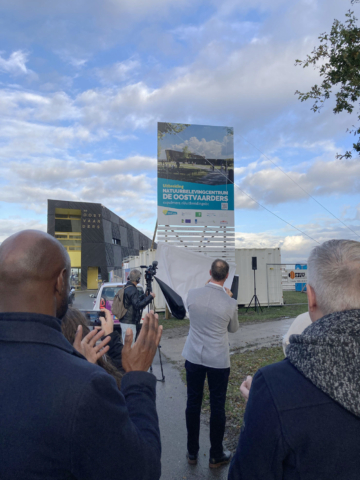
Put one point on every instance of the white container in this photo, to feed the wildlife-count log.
(268, 278)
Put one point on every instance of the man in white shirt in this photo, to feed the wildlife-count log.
(213, 313)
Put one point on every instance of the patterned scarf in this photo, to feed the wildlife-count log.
(328, 354)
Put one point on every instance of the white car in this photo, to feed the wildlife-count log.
(106, 295)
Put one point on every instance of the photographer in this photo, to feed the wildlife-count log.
(133, 303)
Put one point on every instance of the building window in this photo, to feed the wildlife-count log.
(67, 220)
(68, 229)
(116, 241)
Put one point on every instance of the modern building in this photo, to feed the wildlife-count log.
(96, 239)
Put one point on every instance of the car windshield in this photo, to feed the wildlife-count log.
(108, 293)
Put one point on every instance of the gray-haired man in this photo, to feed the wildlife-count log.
(133, 303)
(213, 313)
(302, 419)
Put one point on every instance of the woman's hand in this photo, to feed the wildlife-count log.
(107, 322)
(87, 346)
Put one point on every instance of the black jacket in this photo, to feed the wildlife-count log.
(63, 417)
(115, 350)
(133, 304)
(292, 430)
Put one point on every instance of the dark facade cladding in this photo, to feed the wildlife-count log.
(106, 239)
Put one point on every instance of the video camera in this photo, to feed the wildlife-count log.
(150, 272)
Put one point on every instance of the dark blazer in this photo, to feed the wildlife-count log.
(62, 417)
(292, 430)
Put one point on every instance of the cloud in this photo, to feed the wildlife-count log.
(22, 140)
(16, 63)
(72, 59)
(124, 186)
(220, 92)
(34, 106)
(248, 85)
(88, 25)
(323, 178)
(295, 248)
(118, 72)
(221, 71)
(207, 148)
(59, 170)
(243, 201)
(9, 226)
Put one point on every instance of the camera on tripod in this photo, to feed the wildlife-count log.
(150, 272)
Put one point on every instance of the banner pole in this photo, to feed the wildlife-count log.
(153, 240)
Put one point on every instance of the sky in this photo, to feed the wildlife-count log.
(83, 84)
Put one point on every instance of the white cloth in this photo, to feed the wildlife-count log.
(183, 269)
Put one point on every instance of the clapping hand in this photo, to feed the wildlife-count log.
(87, 346)
(107, 322)
(140, 356)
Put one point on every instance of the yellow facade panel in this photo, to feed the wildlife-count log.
(92, 278)
(67, 211)
(75, 259)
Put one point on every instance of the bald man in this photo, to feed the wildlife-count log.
(61, 416)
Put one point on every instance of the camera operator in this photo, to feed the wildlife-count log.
(133, 303)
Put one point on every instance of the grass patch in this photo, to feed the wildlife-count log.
(276, 312)
(243, 364)
(172, 322)
(294, 297)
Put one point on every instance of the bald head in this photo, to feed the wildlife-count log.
(30, 265)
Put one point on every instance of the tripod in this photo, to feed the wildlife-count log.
(254, 297)
(148, 291)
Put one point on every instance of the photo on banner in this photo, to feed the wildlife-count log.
(195, 175)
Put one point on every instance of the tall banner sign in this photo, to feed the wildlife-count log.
(195, 175)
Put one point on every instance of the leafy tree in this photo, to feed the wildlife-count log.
(186, 151)
(339, 58)
(170, 128)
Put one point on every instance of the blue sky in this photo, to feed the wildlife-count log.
(84, 83)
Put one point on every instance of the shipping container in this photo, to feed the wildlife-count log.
(267, 275)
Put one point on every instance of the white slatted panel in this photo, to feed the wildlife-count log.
(214, 241)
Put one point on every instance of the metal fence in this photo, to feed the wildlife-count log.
(293, 279)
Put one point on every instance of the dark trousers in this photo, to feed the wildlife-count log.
(218, 382)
